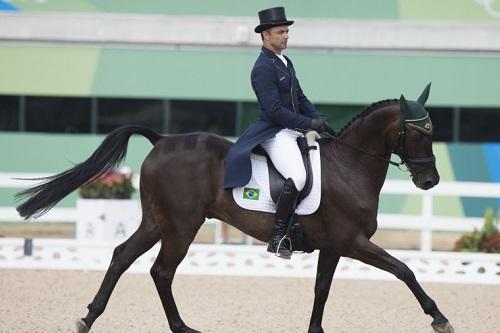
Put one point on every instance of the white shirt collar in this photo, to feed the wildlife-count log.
(282, 59)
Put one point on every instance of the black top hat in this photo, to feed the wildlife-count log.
(272, 17)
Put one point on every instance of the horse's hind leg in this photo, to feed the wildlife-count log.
(123, 256)
(173, 249)
(369, 253)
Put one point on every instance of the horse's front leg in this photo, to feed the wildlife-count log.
(327, 262)
(371, 254)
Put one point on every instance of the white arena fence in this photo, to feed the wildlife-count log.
(249, 260)
(253, 260)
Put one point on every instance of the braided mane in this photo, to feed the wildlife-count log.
(368, 110)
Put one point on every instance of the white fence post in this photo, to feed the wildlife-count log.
(426, 233)
(218, 232)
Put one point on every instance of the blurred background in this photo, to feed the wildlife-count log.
(72, 71)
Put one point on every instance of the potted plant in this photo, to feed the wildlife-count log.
(485, 240)
(105, 210)
(113, 184)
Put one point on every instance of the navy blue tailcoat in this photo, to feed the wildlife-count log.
(282, 104)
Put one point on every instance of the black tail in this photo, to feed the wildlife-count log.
(112, 151)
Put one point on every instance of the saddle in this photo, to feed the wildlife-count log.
(276, 180)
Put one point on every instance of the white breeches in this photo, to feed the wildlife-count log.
(286, 157)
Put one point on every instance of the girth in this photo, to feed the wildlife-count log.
(276, 180)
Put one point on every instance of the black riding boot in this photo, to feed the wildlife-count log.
(279, 243)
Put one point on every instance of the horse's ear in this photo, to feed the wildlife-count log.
(425, 94)
(405, 108)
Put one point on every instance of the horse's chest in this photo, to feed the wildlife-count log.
(371, 227)
(367, 218)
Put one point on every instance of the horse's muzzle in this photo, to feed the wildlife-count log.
(426, 180)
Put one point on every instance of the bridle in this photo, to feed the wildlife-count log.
(421, 124)
(419, 162)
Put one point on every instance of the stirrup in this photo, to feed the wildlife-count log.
(284, 255)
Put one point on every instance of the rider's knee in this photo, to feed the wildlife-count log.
(300, 180)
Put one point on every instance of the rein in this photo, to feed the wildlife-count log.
(332, 135)
(400, 143)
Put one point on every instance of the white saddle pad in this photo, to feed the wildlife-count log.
(256, 195)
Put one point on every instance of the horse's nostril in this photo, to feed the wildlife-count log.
(428, 184)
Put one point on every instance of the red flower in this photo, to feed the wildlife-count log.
(111, 184)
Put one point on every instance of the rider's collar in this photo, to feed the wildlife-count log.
(267, 52)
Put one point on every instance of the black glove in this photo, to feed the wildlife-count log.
(320, 125)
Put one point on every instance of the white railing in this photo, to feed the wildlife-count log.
(254, 261)
(426, 222)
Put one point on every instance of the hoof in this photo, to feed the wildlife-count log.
(316, 330)
(443, 328)
(185, 329)
(81, 327)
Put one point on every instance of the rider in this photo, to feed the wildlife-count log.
(285, 113)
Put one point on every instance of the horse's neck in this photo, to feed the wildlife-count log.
(375, 133)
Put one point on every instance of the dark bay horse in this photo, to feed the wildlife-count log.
(181, 185)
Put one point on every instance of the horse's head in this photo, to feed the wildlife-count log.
(415, 141)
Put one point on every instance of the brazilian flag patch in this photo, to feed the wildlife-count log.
(251, 193)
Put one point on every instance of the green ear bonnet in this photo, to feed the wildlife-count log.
(414, 114)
